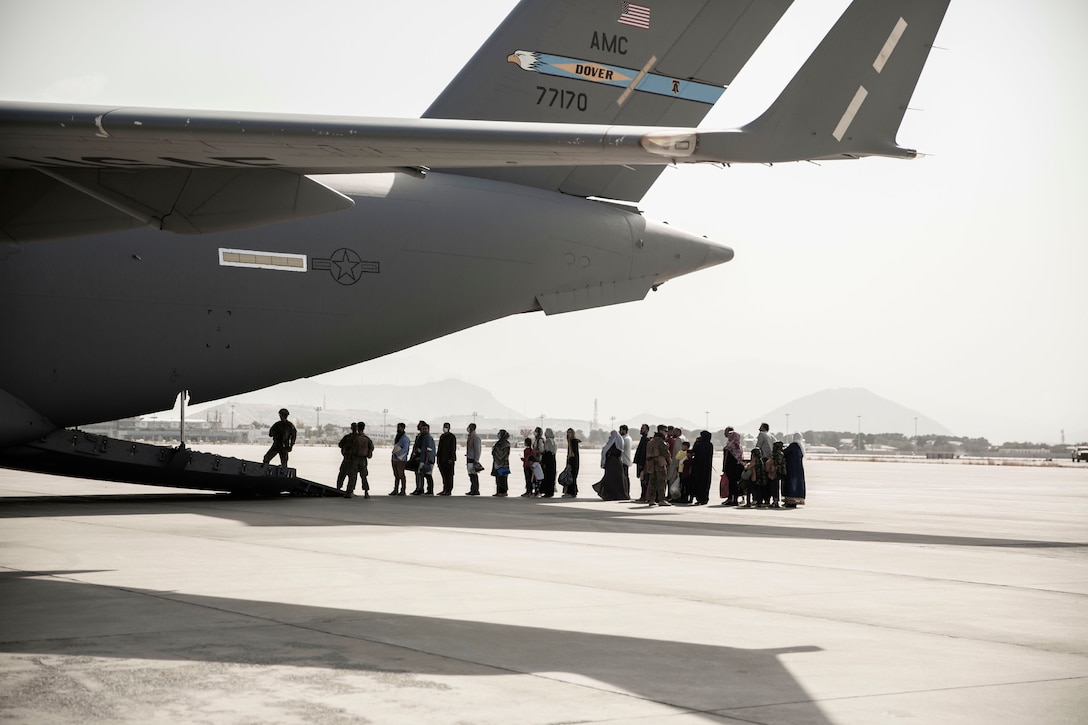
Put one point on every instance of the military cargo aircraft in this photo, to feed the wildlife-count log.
(145, 252)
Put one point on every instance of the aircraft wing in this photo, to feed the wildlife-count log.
(134, 139)
(77, 170)
(68, 170)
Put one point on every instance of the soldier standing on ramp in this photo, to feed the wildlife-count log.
(283, 436)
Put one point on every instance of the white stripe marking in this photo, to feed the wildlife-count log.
(278, 261)
(889, 45)
(851, 111)
(638, 79)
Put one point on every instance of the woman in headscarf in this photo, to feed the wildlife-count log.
(699, 465)
(573, 459)
(793, 488)
(500, 463)
(610, 487)
(732, 465)
(547, 462)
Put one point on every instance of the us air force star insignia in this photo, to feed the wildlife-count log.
(346, 267)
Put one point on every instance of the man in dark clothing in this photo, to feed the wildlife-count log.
(700, 465)
(423, 452)
(283, 436)
(447, 455)
(640, 459)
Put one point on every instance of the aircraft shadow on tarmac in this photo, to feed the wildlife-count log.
(608, 516)
(76, 620)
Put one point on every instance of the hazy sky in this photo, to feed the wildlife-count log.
(954, 285)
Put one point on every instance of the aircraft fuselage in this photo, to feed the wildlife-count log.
(223, 313)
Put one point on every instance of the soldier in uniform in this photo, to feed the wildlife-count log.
(346, 444)
(657, 468)
(283, 436)
(362, 449)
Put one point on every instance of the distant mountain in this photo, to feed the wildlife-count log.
(341, 404)
(455, 401)
(838, 409)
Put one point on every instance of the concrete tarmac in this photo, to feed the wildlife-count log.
(901, 593)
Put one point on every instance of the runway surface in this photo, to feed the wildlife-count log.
(902, 592)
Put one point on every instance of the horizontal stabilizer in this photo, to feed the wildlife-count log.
(207, 149)
(849, 98)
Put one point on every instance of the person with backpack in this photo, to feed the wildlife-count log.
(423, 456)
(473, 450)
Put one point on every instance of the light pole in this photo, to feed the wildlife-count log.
(317, 410)
(474, 417)
(542, 421)
(385, 412)
(232, 419)
(860, 445)
(787, 424)
(915, 426)
(706, 420)
(613, 419)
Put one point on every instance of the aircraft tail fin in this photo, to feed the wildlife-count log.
(849, 98)
(570, 61)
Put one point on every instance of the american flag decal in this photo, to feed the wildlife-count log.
(636, 15)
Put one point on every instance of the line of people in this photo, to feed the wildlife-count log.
(539, 465)
(674, 471)
(773, 472)
(423, 454)
(670, 470)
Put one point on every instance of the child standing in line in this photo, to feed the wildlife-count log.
(678, 489)
(538, 476)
